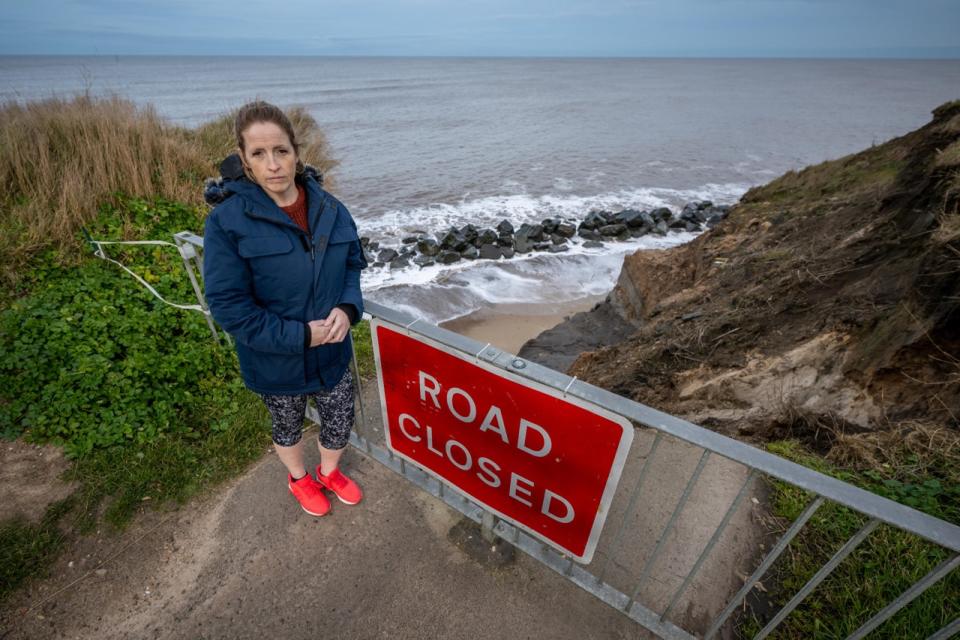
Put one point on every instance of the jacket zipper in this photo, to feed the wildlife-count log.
(308, 245)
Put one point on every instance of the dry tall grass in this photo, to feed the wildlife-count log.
(61, 159)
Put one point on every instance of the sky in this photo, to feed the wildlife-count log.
(614, 28)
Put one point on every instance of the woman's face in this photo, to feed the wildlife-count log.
(272, 160)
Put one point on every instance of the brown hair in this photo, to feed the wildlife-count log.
(260, 111)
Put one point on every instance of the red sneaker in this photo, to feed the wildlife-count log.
(309, 494)
(343, 487)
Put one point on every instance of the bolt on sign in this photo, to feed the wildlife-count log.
(546, 463)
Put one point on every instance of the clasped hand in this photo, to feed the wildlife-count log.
(331, 329)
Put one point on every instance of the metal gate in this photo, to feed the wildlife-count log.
(653, 559)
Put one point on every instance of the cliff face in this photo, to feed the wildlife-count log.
(828, 298)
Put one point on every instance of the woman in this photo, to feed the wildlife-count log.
(281, 268)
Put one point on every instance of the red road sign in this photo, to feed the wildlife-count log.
(546, 463)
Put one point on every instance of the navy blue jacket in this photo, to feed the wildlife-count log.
(265, 278)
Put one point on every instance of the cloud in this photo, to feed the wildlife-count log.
(479, 27)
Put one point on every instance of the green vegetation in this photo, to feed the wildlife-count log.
(91, 360)
(886, 564)
(868, 171)
(27, 550)
(363, 348)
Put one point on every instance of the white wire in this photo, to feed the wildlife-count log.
(101, 254)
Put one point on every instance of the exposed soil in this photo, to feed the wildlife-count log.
(830, 293)
(30, 479)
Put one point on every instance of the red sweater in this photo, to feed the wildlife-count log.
(298, 210)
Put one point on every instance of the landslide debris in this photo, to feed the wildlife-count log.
(824, 307)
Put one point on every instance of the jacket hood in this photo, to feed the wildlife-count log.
(216, 190)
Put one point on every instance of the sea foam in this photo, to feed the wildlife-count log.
(438, 293)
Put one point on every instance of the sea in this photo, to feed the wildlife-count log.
(428, 143)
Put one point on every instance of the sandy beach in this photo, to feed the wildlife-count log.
(508, 326)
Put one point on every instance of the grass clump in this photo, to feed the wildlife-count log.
(91, 360)
(885, 565)
(28, 549)
(363, 348)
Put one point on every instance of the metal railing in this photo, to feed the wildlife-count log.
(628, 592)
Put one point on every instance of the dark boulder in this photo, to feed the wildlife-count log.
(448, 239)
(410, 239)
(508, 252)
(589, 234)
(490, 251)
(526, 236)
(629, 217)
(486, 236)
(454, 240)
(448, 257)
(428, 247)
(469, 232)
(594, 220)
(566, 230)
(387, 255)
(660, 228)
(505, 228)
(423, 261)
(558, 248)
(689, 211)
(470, 253)
(505, 240)
(613, 229)
(399, 263)
(592, 244)
(531, 231)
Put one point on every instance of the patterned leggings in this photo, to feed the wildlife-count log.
(336, 415)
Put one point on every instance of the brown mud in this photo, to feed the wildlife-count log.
(824, 308)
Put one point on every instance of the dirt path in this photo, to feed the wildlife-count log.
(246, 563)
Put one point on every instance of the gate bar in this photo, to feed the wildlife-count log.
(630, 507)
(673, 518)
(824, 571)
(713, 539)
(947, 632)
(907, 596)
(764, 566)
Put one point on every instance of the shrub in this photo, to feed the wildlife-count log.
(90, 359)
